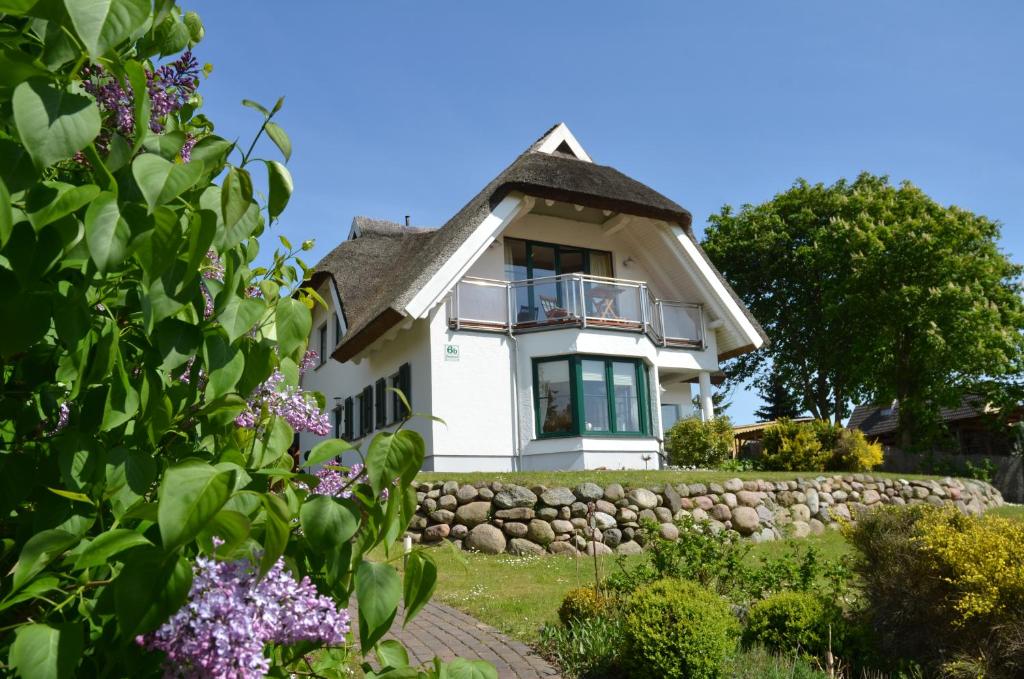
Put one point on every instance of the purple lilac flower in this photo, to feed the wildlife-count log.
(214, 271)
(231, 616)
(169, 87)
(186, 148)
(63, 415)
(335, 484)
(207, 302)
(310, 360)
(273, 397)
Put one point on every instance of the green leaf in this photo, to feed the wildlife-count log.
(53, 124)
(149, 589)
(235, 196)
(391, 653)
(224, 363)
(191, 493)
(122, 400)
(50, 201)
(277, 530)
(255, 106)
(293, 322)
(106, 545)
(240, 315)
(47, 651)
(33, 313)
(6, 218)
(38, 552)
(228, 525)
(326, 450)
(177, 341)
(106, 232)
(461, 668)
(378, 590)
(102, 24)
(71, 495)
(280, 188)
(160, 180)
(172, 35)
(327, 522)
(35, 589)
(280, 138)
(418, 584)
(394, 455)
(141, 104)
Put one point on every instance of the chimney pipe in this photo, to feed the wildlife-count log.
(407, 220)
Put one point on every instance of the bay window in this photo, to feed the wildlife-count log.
(590, 396)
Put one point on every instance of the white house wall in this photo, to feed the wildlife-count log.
(472, 393)
(342, 380)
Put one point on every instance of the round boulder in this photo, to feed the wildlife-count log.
(473, 514)
(748, 498)
(561, 526)
(521, 547)
(629, 547)
(557, 497)
(486, 538)
(588, 492)
(745, 520)
(540, 531)
(643, 498)
(514, 496)
(668, 531)
(514, 529)
(614, 492)
(598, 548)
(604, 521)
(436, 533)
(466, 494)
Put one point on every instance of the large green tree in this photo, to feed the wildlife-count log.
(871, 291)
(779, 401)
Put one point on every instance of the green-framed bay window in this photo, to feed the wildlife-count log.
(589, 395)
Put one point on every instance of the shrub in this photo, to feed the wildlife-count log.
(943, 589)
(793, 446)
(678, 629)
(588, 649)
(582, 603)
(695, 443)
(854, 453)
(791, 621)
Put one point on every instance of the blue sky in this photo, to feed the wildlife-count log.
(399, 108)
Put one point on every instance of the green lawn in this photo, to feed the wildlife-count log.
(631, 478)
(519, 594)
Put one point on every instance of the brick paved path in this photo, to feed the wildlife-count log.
(447, 633)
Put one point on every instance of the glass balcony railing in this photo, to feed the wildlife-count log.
(574, 299)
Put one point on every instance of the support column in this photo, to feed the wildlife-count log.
(707, 406)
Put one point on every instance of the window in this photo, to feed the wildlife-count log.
(349, 413)
(528, 259)
(381, 403)
(591, 395)
(322, 332)
(337, 328)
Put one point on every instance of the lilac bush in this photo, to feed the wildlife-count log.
(274, 398)
(233, 614)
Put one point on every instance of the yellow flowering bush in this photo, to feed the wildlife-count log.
(982, 558)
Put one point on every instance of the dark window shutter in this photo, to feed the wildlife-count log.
(405, 384)
(337, 422)
(380, 399)
(366, 411)
(337, 329)
(348, 419)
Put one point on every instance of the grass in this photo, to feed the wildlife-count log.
(631, 478)
(518, 595)
(1009, 512)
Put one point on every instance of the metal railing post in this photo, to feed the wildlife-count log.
(661, 318)
(508, 305)
(583, 301)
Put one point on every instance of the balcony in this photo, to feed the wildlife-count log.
(574, 300)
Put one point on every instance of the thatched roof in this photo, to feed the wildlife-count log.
(378, 272)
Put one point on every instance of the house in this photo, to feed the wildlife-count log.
(971, 426)
(557, 321)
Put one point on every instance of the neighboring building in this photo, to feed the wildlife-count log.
(557, 321)
(971, 427)
(747, 438)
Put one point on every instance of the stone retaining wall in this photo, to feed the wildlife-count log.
(496, 517)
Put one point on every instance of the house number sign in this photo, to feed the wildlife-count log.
(451, 352)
